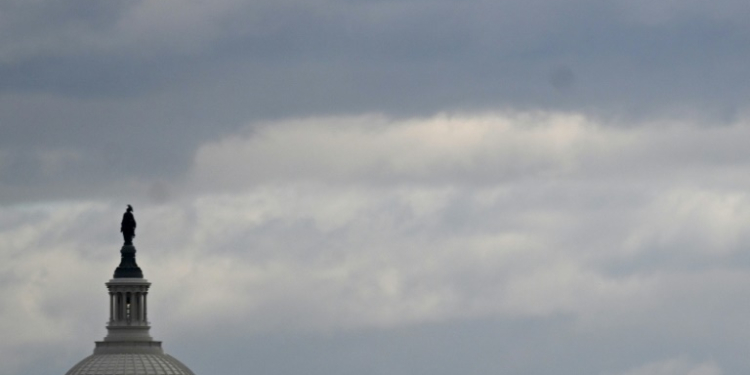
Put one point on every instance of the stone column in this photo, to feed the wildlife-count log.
(138, 313)
(111, 307)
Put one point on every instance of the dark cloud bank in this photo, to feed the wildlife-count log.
(134, 88)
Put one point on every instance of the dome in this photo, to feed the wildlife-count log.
(129, 364)
(128, 348)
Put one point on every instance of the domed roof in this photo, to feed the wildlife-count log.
(128, 349)
(129, 364)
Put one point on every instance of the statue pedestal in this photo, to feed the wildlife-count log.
(128, 268)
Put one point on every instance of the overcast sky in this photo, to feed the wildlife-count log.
(381, 187)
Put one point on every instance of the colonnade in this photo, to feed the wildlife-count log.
(128, 307)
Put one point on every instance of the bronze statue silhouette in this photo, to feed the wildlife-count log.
(128, 226)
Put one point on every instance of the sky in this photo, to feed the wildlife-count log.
(381, 187)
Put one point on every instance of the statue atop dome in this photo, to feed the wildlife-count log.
(128, 268)
(128, 347)
(127, 227)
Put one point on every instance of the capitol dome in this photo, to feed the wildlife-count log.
(130, 363)
(128, 349)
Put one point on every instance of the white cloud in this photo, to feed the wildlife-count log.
(493, 148)
(504, 252)
(344, 224)
(371, 148)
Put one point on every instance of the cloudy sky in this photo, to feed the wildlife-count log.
(381, 187)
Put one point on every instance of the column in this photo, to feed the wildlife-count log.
(145, 307)
(111, 307)
(137, 307)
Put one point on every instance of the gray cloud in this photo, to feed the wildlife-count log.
(585, 255)
(579, 196)
(119, 82)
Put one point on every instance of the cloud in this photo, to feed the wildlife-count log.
(552, 179)
(439, 149)
(677, 366)
(134, 88)
(580, 227)
(471, 149)
(341, 227)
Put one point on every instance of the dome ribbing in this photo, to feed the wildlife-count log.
(140, 364)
